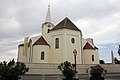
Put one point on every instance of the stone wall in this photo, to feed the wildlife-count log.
(47, 68)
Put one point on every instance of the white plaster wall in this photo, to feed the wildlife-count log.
(65, 51)
(21, 57)
(37, 49)
(56, 55)
(88, 56)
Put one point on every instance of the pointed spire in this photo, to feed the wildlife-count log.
(48, 16)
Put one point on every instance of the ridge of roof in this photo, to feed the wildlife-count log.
(41, 41)
(65, 23)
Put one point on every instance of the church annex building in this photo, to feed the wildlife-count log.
(57, 43)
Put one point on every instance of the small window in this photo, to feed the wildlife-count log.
(57, 43)
(48, 30)
(73, 40)
(92, 57)
(42, 55)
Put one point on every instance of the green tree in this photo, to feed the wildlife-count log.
(102, 61)
(67, 70)
(97, 71)
(12, 70)
(116, 61)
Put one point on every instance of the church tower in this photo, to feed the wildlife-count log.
(47, 25)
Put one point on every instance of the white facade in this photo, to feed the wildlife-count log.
(57, 43)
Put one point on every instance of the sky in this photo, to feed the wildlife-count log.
(97, 19)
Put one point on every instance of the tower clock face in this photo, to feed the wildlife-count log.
(73, 40)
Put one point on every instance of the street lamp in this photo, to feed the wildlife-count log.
(75, 53)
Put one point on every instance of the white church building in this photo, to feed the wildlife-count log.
(57, 43)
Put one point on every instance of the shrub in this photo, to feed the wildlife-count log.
(97, 71)
(67, 70)
(12, 70)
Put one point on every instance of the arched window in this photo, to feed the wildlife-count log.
(92, 57)
(57, 43)
(42, 55)
(48, 30)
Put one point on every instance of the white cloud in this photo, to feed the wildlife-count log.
(10, 23)
(8, 55)
(104, 30)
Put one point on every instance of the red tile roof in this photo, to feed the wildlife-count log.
(65, 23)
(41, 41)
(88, 46)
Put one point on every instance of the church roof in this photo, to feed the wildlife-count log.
(88, 46)
(65, 23)
(41, 41)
